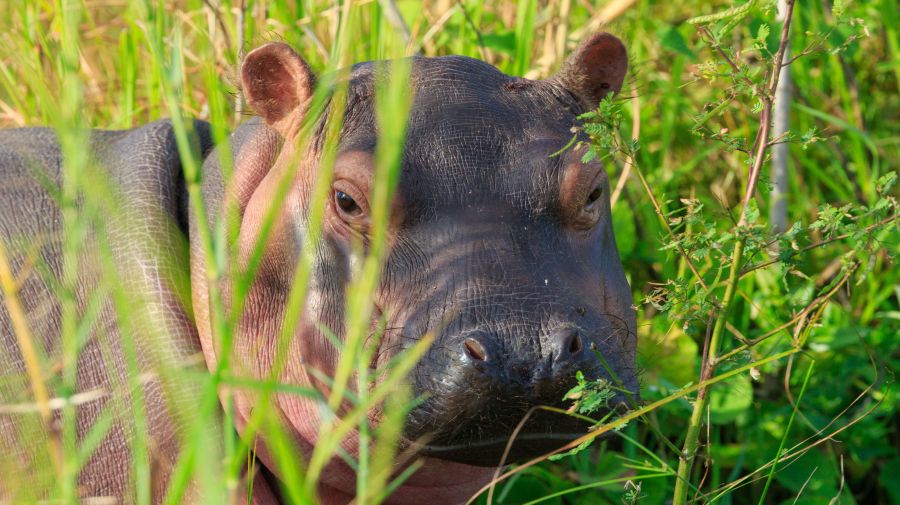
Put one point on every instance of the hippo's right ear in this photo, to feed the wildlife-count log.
(596, 69)
(277, 84)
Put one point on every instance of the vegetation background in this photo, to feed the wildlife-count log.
(830, 296)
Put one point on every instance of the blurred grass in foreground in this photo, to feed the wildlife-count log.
(100, 64)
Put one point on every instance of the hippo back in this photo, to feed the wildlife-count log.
(132, 269)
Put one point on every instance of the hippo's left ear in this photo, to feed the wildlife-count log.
(595, 70)
(277, 84)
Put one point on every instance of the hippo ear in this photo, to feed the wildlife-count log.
(277, 84)
(595, 70)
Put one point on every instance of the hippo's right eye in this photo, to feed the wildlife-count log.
(350, 207)
(346, 202)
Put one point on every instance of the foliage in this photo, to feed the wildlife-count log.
(589, 396)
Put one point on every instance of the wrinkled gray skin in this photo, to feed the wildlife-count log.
(145, 240)
(503, 250)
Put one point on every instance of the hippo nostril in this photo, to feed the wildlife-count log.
(575, 345)
(568, 344)
(475, 349)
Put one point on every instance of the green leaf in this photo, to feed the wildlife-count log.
(886, 182)
(738, 11)
(626, 233)
(727, 401)
(732, 17)
(589, 396)
(889, 481)
(762, 33)
(503, 42)
(671, 39)
(670, 359)
(817, 474)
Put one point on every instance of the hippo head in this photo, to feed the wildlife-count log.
(501, 246)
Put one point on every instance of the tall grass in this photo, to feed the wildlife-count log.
(75, 65)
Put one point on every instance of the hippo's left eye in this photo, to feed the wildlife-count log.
(582, 196)
(586, 212)
(593, 197)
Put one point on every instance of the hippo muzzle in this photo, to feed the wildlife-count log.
(516, 316)
(481, 389)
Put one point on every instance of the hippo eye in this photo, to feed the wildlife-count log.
(593, 197)
(346, 202)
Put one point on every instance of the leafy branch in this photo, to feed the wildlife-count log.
(761, 144)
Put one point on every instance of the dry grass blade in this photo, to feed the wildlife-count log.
(26, 341)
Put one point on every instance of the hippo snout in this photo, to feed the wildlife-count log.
(556, 361)
(481, 384)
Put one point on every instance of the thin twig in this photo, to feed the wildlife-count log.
(691, 441)
(610, 11)
(810, 307)
(214, 9)
(800, 448)
(438, 25)
(89, 396)
(635, 135)
(731, 63)
(810, 247)
(465, 12)
(662, 217)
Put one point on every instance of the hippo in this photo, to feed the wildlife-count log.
(501, 248)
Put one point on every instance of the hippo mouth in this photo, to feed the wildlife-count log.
(490, 452)
(480, 442)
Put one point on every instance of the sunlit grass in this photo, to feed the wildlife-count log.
(74, 65)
